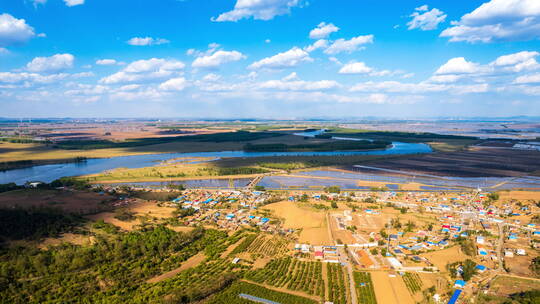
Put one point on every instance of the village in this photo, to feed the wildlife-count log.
(426, 246)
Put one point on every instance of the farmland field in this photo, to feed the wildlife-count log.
(291, 274)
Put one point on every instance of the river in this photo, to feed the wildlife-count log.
(48, 173)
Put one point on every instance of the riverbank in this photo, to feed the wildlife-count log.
(21, 164)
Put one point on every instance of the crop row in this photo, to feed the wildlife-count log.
(364, 288)
(337, 292)
(413, 282)
(245, 244)
(292, 274)
(269, 247)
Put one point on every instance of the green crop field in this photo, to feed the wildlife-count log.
(292, 274)
(364, 288)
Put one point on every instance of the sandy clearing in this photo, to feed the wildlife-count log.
(384, 292)
(108, 217)
(189, 263)
(446, 256)
(141, 208)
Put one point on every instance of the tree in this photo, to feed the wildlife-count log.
(535, 266)
(333, 189)
(333, 204)
(374, 251)
(493, 196)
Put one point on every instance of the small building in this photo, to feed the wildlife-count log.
(459, 284)
(480, 268)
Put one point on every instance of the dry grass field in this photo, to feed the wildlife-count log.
(519, 195)
(313, 223)
(390, 290)
(148, 211)
(446, 256)
(503, 285)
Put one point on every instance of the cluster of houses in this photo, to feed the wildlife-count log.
(327, 254)
(227, 209)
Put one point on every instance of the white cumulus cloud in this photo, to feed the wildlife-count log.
(73, 2)
(351, 45)
(258, 9)
(53, 63)
(145, 41)
(106, 62)
(216, 59)
(288, 59)
(299, 85)
(174, 84)
(145, 70)
(323, 30)
(319, 44)
(534, 78)
(355, 68)
(498, 20)
(426, 20)
(458, 65)
(14, 31)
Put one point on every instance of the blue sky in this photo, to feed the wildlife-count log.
(269, 58)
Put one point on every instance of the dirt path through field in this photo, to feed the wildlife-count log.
(191, 262)
(231, 248)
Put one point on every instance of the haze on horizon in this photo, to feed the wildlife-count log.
(269, 58)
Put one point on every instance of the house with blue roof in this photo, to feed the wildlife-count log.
(459, 284)
(481, 268)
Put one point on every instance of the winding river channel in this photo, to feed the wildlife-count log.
(48, 173)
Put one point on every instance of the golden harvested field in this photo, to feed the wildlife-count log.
(71, 201)
(313, 223)
(446, 256)
(519, 195)
(387, 290)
